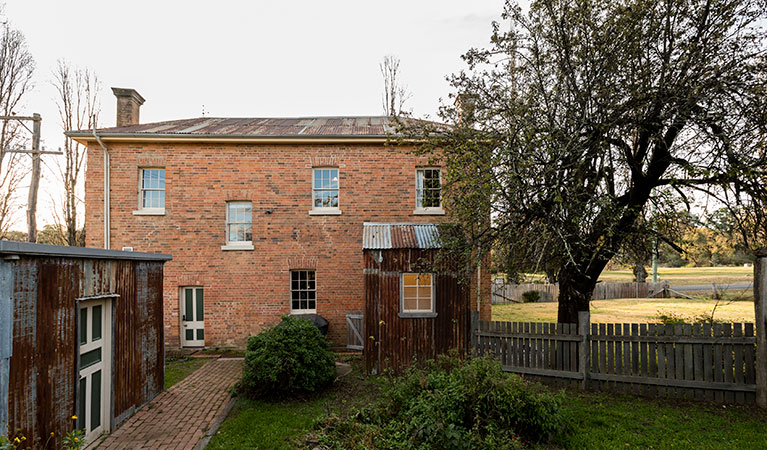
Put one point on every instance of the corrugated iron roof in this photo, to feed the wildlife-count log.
(384, 236)
(275, 127)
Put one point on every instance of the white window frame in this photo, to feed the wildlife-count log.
(416, 312)
(290, 281)
(325, 210)
(237, 245)
(142, 211)
(428, 210)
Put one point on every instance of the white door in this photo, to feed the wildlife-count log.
(192, 317)
(94, 390)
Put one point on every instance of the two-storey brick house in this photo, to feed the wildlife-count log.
(263, 217)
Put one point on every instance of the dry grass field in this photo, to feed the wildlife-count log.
(631, 310)
(687, 275)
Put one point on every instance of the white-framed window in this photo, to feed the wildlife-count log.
(428, 190)
(151, 196)
(417, 293)
(239, 226)
(303, 291)
(325, 190)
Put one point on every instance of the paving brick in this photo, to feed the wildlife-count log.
(179, 417)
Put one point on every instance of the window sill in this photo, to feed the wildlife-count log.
(417, 315)
(325, 212)
(149, 212)
(240, 246)
(303, 312)
(429, 212)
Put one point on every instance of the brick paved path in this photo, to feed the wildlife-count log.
(181, 416)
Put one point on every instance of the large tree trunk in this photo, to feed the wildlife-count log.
(575, 291)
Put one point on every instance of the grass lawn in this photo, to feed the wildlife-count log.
(273, 425)
(687, 275)
(629, 310)
(176, 369)
(675, 275)
(619, 421)
(597, 421)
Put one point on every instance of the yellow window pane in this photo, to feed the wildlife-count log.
(424, 279)
(411, 304)
(410, 279)
(424, 292)
(424, 304)
(410, 291)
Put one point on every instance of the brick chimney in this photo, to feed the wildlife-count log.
(128, 104)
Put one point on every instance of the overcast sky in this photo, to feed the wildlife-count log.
(246, 58)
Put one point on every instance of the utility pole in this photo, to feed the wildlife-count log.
(34, 183)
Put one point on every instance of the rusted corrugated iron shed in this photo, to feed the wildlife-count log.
(43, 283)
(394, 340)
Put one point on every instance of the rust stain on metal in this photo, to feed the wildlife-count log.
(43, 373)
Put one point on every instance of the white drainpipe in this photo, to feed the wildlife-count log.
(106, 189)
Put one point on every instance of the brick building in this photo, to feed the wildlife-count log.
(263, 217)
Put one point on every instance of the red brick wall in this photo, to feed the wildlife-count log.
(247, 290)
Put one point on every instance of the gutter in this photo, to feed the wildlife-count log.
(255, 139)
(106, 189)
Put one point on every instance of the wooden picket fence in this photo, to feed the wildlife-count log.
(505, 293)
(693, 361)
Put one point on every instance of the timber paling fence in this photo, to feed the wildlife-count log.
(505, 293)
(714, 362)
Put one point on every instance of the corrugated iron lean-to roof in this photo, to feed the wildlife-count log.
(384, 236)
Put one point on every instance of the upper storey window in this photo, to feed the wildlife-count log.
(151, 199)
(325, 191)
(428, 191)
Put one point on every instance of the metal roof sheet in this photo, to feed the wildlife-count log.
(384, 236)
(26, 248)
(261, 127)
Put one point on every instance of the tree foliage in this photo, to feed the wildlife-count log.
(16, 69)
(581, 114)
(77, 101)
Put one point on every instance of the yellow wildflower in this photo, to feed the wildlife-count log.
(51, 433)
(74, 417)
(77, 440)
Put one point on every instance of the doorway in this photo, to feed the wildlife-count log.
(95, 368)
(192, 317)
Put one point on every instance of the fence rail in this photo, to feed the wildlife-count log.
(506, 293)
(694, 361)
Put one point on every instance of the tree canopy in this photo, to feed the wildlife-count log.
(582, 114)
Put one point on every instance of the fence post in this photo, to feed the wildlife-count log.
(760, 307)
(584, 323)
(474, 330)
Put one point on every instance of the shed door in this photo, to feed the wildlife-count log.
(94, 389)
(192, 315)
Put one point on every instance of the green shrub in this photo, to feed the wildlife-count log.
(670, 317)
(293, 357)
(531, 296)
(451, 404)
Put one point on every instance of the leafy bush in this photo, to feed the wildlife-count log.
(292, 357)
(451, 404)
(531, 296)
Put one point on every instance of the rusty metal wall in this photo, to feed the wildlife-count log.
(43, 372)
(394, 342)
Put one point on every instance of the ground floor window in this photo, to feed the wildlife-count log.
(303, 291)
(417, 292)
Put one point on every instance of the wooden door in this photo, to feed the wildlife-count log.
(192, 317)
(94, 389)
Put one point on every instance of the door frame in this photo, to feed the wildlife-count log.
(107, 361)
(195, 343)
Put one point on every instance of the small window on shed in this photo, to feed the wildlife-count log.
(417, 293)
